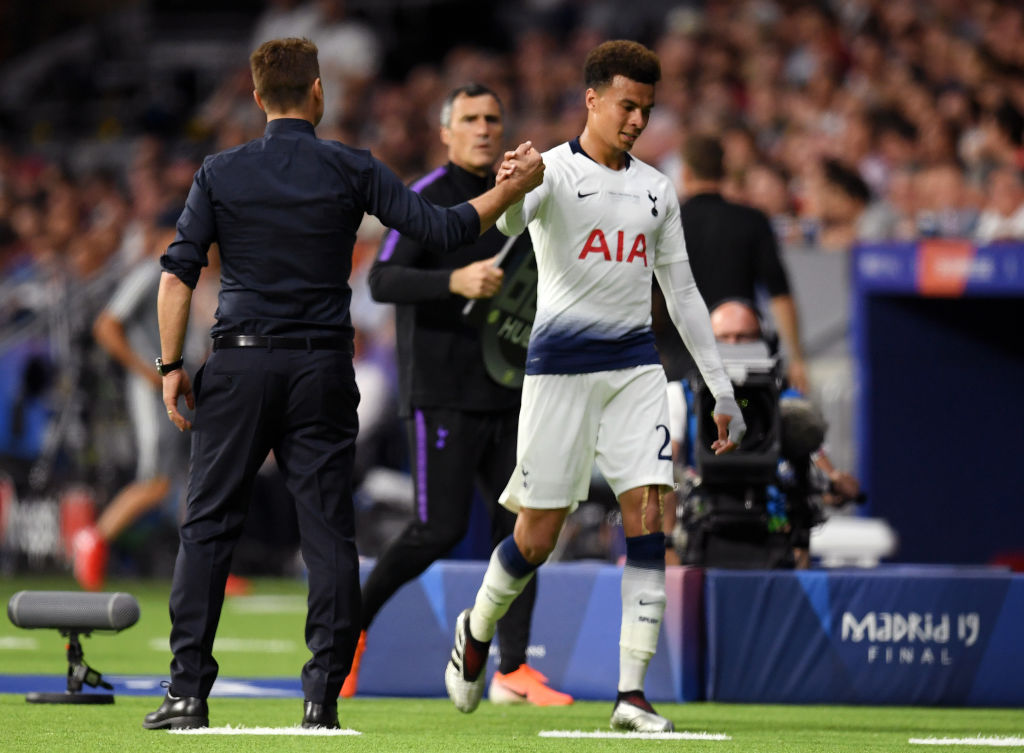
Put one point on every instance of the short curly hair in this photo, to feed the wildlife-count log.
(620, 57)
(283, 70)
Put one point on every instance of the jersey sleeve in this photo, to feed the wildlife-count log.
(690, 315)
(671, 246)
(514, 220)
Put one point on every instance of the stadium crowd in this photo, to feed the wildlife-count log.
(842, 120)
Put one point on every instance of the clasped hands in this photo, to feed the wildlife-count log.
(523, 168)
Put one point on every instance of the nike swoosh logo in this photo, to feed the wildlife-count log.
(651, 603)
(585, 195)
(514, 692)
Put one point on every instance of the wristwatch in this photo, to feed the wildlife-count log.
(166, 368)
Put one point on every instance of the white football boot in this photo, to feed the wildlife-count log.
(465, 694)
(630, 717)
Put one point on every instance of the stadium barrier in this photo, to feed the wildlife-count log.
(574, 640)
(906, 635)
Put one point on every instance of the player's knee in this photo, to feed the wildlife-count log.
(537, 553)
(536, 546)
(536, 533)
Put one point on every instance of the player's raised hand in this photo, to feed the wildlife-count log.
(525, 168)
(481, 279)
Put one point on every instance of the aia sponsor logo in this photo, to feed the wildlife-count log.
(598, 245)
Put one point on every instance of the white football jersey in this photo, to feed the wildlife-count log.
(597, 234)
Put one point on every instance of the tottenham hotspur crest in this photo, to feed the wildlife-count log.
(654, 202)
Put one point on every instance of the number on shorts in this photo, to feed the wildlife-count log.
(668, 439)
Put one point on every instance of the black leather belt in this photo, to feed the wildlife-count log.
(284, 343)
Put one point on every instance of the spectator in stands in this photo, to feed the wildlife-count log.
(739, 155)
(284, 18)
(945, 204)
(844, 200)
(999, 138)
(900, 204)
(766, 188)
(349, 57)
(1002, 218)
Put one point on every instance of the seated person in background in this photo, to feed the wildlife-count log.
(844, 207)
(1002, 218)
(946, 208)
(767, 189)
(736, 322)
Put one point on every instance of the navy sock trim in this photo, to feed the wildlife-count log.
(647, 551)
(513, 560)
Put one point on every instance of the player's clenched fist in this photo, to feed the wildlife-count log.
(524, 166)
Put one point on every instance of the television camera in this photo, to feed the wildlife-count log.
(743, 508)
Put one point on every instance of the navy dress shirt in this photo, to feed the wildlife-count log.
(284, 211)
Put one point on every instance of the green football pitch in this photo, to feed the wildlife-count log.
(260, 636)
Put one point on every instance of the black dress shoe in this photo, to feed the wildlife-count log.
(324, 715)
(179, 713)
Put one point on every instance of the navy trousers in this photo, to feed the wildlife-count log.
(302, 405)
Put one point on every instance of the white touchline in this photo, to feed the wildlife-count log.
(992, 741)
(237, 645)
(18, 644)
(635, 735)
(229, 730)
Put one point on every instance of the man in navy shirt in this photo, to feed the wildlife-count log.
(284, 211)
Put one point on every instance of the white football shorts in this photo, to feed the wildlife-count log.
(617, 418)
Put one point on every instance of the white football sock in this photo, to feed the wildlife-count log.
(498, 590)
(643, 606)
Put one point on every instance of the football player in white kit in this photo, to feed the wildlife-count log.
(602, 222)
